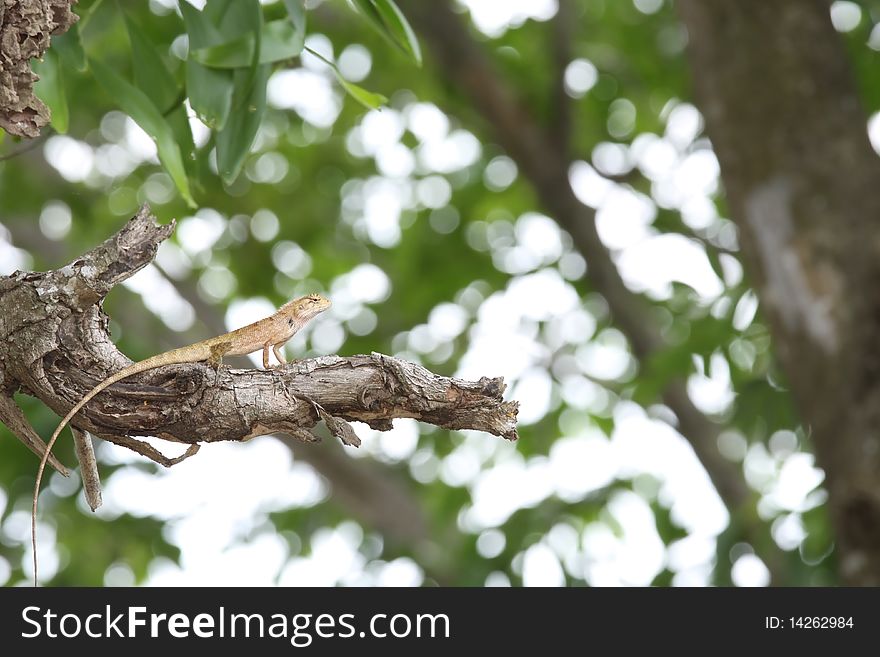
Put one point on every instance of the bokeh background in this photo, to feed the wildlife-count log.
(436, 245)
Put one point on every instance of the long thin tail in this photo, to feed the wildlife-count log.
(142, 366)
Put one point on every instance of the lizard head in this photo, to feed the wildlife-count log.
(310, 305)
(297, 313)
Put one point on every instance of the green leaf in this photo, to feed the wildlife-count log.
(234, 141)
(235, 17)
(368, 10)
(210, 93)
(385, 16)
(69, 47)
(86, 16)
(141, 109)
(215, 9)
(400, 28)
(236, 138)
(248, 15)
(297, 12)
(50, 89)
(368, 99)
(199, 28)
(279, 40)
(179, 122)
(150, 73)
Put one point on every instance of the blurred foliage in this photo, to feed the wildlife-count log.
(438, 258)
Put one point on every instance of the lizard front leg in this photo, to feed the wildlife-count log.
(281, 361)
(277, 349)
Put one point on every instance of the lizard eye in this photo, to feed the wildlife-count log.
(290, 322)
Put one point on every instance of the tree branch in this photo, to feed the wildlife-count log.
(464, 63)
(369, 491)
(54, 345)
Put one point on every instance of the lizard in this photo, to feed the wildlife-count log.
(265, 334)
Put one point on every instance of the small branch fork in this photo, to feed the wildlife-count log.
(55, 345)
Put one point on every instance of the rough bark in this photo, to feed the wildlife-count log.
(54, 345)
(545, 166)
(803, 185)
(26, 27)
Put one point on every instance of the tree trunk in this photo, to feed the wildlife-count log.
(803, 185)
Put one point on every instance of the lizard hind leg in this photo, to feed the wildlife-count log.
(215, 360)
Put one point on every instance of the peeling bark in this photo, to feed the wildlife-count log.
(54, 344)
(26, 27)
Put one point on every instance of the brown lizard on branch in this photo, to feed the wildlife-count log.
(265, 334)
